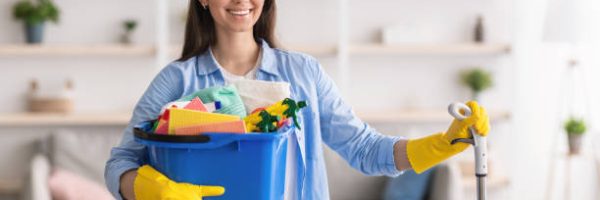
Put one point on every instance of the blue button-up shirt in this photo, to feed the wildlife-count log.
(327, 118)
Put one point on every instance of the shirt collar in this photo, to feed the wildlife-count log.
(267, 63)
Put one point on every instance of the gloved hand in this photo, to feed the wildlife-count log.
(424, 153)
(150, 184)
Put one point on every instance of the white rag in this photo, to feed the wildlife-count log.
(258, 94)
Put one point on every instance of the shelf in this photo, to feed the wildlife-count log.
(430, 49)
(314, 50)
(75, 119)
(117, 119)
(77, 50)
(418, 116)
(382, 49)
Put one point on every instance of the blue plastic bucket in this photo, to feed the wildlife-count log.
(249, 166)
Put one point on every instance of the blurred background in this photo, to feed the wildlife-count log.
(68, 87)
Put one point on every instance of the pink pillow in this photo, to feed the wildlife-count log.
(65, 185)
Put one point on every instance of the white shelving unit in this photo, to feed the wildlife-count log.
(161, 50)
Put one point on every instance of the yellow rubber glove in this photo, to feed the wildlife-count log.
(151, 184)
(424, 153)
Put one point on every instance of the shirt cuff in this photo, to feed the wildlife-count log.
(388, 152)
(114, 172)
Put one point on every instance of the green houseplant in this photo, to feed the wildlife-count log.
(477, 80)
(129, 26)
(575, 128)
(34, 16)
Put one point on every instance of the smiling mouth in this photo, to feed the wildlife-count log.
(240, 12)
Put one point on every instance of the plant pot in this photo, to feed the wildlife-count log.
(34, 33)
(574, 143)
(126, 38)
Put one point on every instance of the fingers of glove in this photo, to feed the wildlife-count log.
(186, 191)
(475, 113)
(483, 125)
(211, 191)
(456, 130)
(207, 191)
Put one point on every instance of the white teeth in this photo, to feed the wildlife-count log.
(239, 12)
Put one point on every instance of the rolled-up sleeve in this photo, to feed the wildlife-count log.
(129, 155)
(359, 144)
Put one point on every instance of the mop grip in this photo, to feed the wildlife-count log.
(480, 149)
(479, 142)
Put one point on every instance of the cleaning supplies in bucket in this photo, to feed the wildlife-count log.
(221, 110)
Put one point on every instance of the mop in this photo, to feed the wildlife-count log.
(479, 143)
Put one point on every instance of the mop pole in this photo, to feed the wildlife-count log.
(480, 163)
(480, 147)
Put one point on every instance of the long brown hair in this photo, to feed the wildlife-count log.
(200, 29)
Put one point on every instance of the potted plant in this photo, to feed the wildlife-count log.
(35, 15)
(129, 26)
(575, 129)
(477, 80)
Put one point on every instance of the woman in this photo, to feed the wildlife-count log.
(234, 39)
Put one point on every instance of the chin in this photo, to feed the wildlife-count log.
(240, 29)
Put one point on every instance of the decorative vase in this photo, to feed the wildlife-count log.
(34, 33)
(479, 36)
(126, 38)
(574, 143)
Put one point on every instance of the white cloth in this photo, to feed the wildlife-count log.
(291, 171)
(258, 94)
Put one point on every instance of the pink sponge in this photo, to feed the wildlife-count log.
(196, 104)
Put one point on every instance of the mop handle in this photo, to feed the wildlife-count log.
(479, 142)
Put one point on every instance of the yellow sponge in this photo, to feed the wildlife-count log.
(182, 118)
